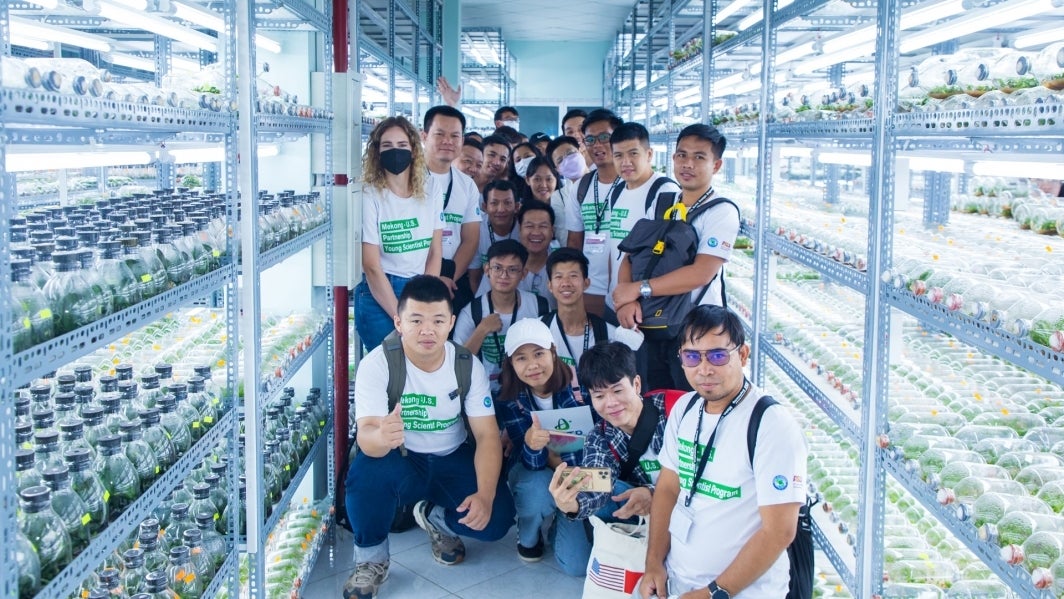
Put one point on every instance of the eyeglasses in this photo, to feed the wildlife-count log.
(691, 358)
(601, 138)
(504, 271)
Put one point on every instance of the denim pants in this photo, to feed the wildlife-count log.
(377, 486)
(371, 321)
(533, 501)
(572, 548)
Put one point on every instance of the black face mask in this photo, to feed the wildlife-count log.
(396, 160)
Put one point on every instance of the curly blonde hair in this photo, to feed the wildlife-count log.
(373, 173)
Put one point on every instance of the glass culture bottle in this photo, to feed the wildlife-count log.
(201, 401)
(155, 559)
(118, 475)
(197, 554)
(213, 543)
(73, 302)
(217, 494)
(140, 454)
(156, 438)
(46, 445)
(174, 424)
(86, 258)
(29, 567)
(150, 392)
(72, 436)
(181, 576)
(44, 530)
(26, 473)
(110, 582)
(87, 485)
(117, 276)
(31, 314)
(94, 425)
(180, 521)
(188, 412)
(134, 573)
(70, 508)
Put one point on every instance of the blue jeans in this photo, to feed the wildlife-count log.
(377, 486)
(572, 548)
(532, 498)
(371, 321)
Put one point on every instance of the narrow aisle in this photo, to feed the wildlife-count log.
(491, 571)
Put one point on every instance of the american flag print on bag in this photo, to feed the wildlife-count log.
(613, 578)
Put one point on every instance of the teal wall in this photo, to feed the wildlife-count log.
(559, 72)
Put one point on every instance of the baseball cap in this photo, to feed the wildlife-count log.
(538, 137)
(528, 330)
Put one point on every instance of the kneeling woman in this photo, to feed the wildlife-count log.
(533, 379)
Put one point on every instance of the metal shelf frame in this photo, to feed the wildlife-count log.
(289, 493)
(633, 81)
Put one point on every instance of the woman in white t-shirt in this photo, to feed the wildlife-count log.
(545, 184)
(402, 234)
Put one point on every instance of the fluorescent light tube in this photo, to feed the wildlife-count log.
(1038, 38)
(49, 4)
(821, 62)
(32, 161)
(27, 28)
(1019, 169)
(796, 152)
(729, 10)
(915, 18)
(29, 42)
(133, 62)
(845, 158)
(751, 20)
(937, 165)
(477, 86)
(975, 21)
(158, 26)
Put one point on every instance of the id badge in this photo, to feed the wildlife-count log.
(680, 524)
(594, 243)
(448, 238)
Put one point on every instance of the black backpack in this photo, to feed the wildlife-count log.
(800, 551)
(652, 194)
(476, 310)
(661, 245)
(396, 360)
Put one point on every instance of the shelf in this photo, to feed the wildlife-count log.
(818, 392)
(281, 507)
(282, 252)
(1015, 576)
(823, 129)
(308, 14)
(840, 273)
(825, 545)
(221, 577)
(319, 541)
(282, 123)
(54, 353)
(272, 386)
(18, 106)
(1010, 121)
(997, 342)
(69, 580)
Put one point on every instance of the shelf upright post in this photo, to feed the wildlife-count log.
(164, 170)
(631, 56)
(328, 46)
(936, 198)
(250, 298)
(670, 107)
(709, 28)
(392, 57)
(764, 191)
(8, 486)
(648, 42)
(872, 484)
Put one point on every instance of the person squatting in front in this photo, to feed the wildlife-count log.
(418, 451)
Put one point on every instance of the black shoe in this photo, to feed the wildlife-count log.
(531, 554)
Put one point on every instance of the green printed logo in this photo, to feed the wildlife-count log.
(398, 225)
(568, 361)
(397, 237)
(429, 426)
(711, 489)
(407, 246)
(452, 218)
(491, 352)
(649, 466)
(417, 399)
(616, 232)
(562, 425)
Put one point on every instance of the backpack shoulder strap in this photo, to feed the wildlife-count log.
(548, 318)
(691, 216)
(690, 404)
(583, 186)
(542, 306)
(665, 201)
(710, 204)
(476, 310)
(393, 354)
(463, 372)
(641, 437)
(764, 403)
(652, 193)
(599, 328)
(616, 194)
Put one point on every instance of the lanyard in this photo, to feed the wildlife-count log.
(701, 200)
(600, 213)
(450, 186)
(491, 233)
(513, 317)
(712, 436)
(565, 338)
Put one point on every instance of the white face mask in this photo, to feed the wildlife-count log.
(514, 124)
(521, 166)
(572, 166)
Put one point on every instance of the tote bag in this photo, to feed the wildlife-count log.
(618, 559)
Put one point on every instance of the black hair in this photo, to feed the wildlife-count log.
(469, 141)
(498, 113)
(602, 114)
(510, 134)
(558, 142)
(507, 247)
(443, 110)
(530, 205)
(427, 289)
(707, 319)
(500, 185)
(707, 133)
(496, 140)
(533, 166)
(630, 131)
(572, 114)
(475, 136)
(566, 254)
(605, 364)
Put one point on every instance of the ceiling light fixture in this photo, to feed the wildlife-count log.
(27, 28)
(31, 161)
(48, 4)
(1019, 169)
(208, 19)
(30, 42)
(976, 21)
(1038, 38)
(845, 158)
(755, 17)
(729, 10)
(157, 26)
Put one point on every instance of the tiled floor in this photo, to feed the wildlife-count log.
(490, 571)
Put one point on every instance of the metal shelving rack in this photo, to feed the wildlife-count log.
(400, 54)
(487, 74)
(253, 126)
(754, 69)
(34, 118)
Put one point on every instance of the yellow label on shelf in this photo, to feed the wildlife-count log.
(215, 253)
(26, 323)
(157, 469)
(145, 278)
(196, 424)
(287, 467)
(45, 313)
(305, 438)
(167, 433)
(85, 519)
(217, 516)
(208, 419)
(106, 496)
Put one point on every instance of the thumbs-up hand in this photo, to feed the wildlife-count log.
(536, 437)
(391, 428)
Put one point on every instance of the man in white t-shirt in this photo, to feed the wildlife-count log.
(482, 325)
(592, 230)
(632, 157)
(442, 137)
(499, 222)
(417, 452)
(574, 328)
(697, 158)
(496, 161)
(721, 520)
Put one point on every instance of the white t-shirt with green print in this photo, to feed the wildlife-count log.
(493, 349)
(402, 227)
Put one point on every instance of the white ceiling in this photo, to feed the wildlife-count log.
(549, 20)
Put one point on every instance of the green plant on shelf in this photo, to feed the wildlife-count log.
(942, 92)
(1011, 84)
(191, 181)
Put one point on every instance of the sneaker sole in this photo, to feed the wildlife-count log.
(422, 519)
(530, 560)
(354, 595)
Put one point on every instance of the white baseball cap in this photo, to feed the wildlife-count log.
(528, 330)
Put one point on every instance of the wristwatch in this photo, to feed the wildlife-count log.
(715, 592)
(644, 289)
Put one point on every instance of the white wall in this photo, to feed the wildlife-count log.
(559, 72)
